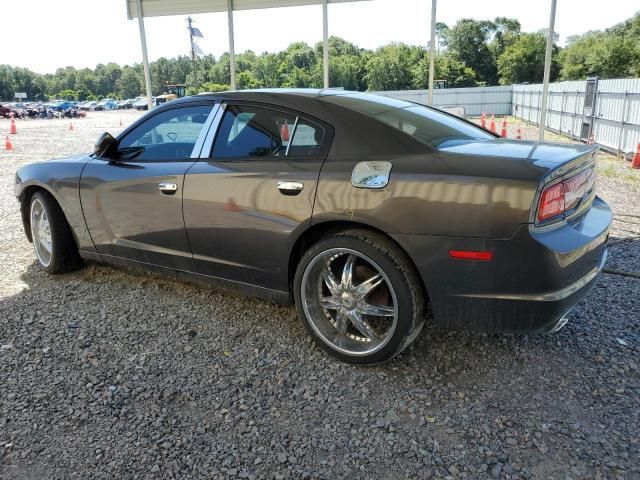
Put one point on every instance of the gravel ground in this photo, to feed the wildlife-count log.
(106, 373)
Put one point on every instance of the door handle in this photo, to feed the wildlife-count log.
(290, 188)
(168, 188)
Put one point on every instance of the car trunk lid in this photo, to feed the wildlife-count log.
(544, 163)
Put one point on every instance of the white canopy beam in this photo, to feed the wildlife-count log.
(325, 44)
(432, 52)
(156, 8)
(232, 48)
(145, 57)
(547, 71)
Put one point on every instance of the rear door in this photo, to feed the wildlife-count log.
(133, 202)
(246, 202)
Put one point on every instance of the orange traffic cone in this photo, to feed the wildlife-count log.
(492, 125)
(635, 163)
(70, 126)
(518, 134)
(503, 133)
(13, 130)
(7, 144)
(483, 120)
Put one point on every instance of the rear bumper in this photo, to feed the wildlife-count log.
(531, 283)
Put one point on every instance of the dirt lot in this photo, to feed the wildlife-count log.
(106, 373)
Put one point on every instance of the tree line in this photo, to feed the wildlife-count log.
(469, 53)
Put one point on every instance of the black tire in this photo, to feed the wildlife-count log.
(64, 255)
(400, 272)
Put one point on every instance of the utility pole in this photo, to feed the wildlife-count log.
(547, 71)
(193, 53)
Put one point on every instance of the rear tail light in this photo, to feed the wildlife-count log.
(564, 196)
(551, 202)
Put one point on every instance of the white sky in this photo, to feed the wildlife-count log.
(46, 34)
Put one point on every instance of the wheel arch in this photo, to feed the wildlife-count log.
(25, 201)
(321, 230)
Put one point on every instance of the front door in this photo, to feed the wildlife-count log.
(133, 202)
(244, 206)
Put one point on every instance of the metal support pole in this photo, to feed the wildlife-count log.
(561, 111)
(325, 44)
(232, 50)
(623, 121)
(575, 116)
(547, 70)
(432, 51)
(145, 58)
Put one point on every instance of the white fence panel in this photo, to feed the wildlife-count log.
(616, 123)
(475, 100)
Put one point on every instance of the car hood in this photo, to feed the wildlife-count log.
(81, 158)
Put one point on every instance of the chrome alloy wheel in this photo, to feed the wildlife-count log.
(41, 233)
(349, 301)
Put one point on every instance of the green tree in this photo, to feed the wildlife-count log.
(246, 79)
(390, 68)
(266, 70)
(523, 61)
(507, 32)
(130, 84)
(468, 43)
(442, 36)
(612, 53)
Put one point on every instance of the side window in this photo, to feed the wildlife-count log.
(252, 132)
(169, 135)
(247, 131)
(306, 140)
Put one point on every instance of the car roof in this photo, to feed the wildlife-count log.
(292, 94)
(355, 134)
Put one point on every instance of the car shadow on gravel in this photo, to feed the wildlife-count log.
(460, 356)
(107, 350)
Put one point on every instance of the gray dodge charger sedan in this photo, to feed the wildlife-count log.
(363, 210)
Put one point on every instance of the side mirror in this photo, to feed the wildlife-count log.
(105, 146)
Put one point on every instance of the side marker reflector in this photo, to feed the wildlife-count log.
(470, 255)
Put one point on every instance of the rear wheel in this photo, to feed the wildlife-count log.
(359, 297)
(53, 241)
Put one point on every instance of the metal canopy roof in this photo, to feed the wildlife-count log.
(157, 8)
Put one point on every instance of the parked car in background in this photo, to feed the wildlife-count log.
(107, 104)
(89, 105)
(142, 104)
(125, 104)
(60, 105)
(18, 110)
(5, 111)
(362, 210)
(111, 104)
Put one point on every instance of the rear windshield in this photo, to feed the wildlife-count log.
(429, 126)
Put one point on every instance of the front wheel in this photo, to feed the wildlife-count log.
(359, 297)
(52, 238)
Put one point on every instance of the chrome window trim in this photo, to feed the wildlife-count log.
(207, 145)
(293, 134)
(197, 147)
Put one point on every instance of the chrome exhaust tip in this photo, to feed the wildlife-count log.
(558, 326)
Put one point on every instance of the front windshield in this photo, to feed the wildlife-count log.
(427, 125)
